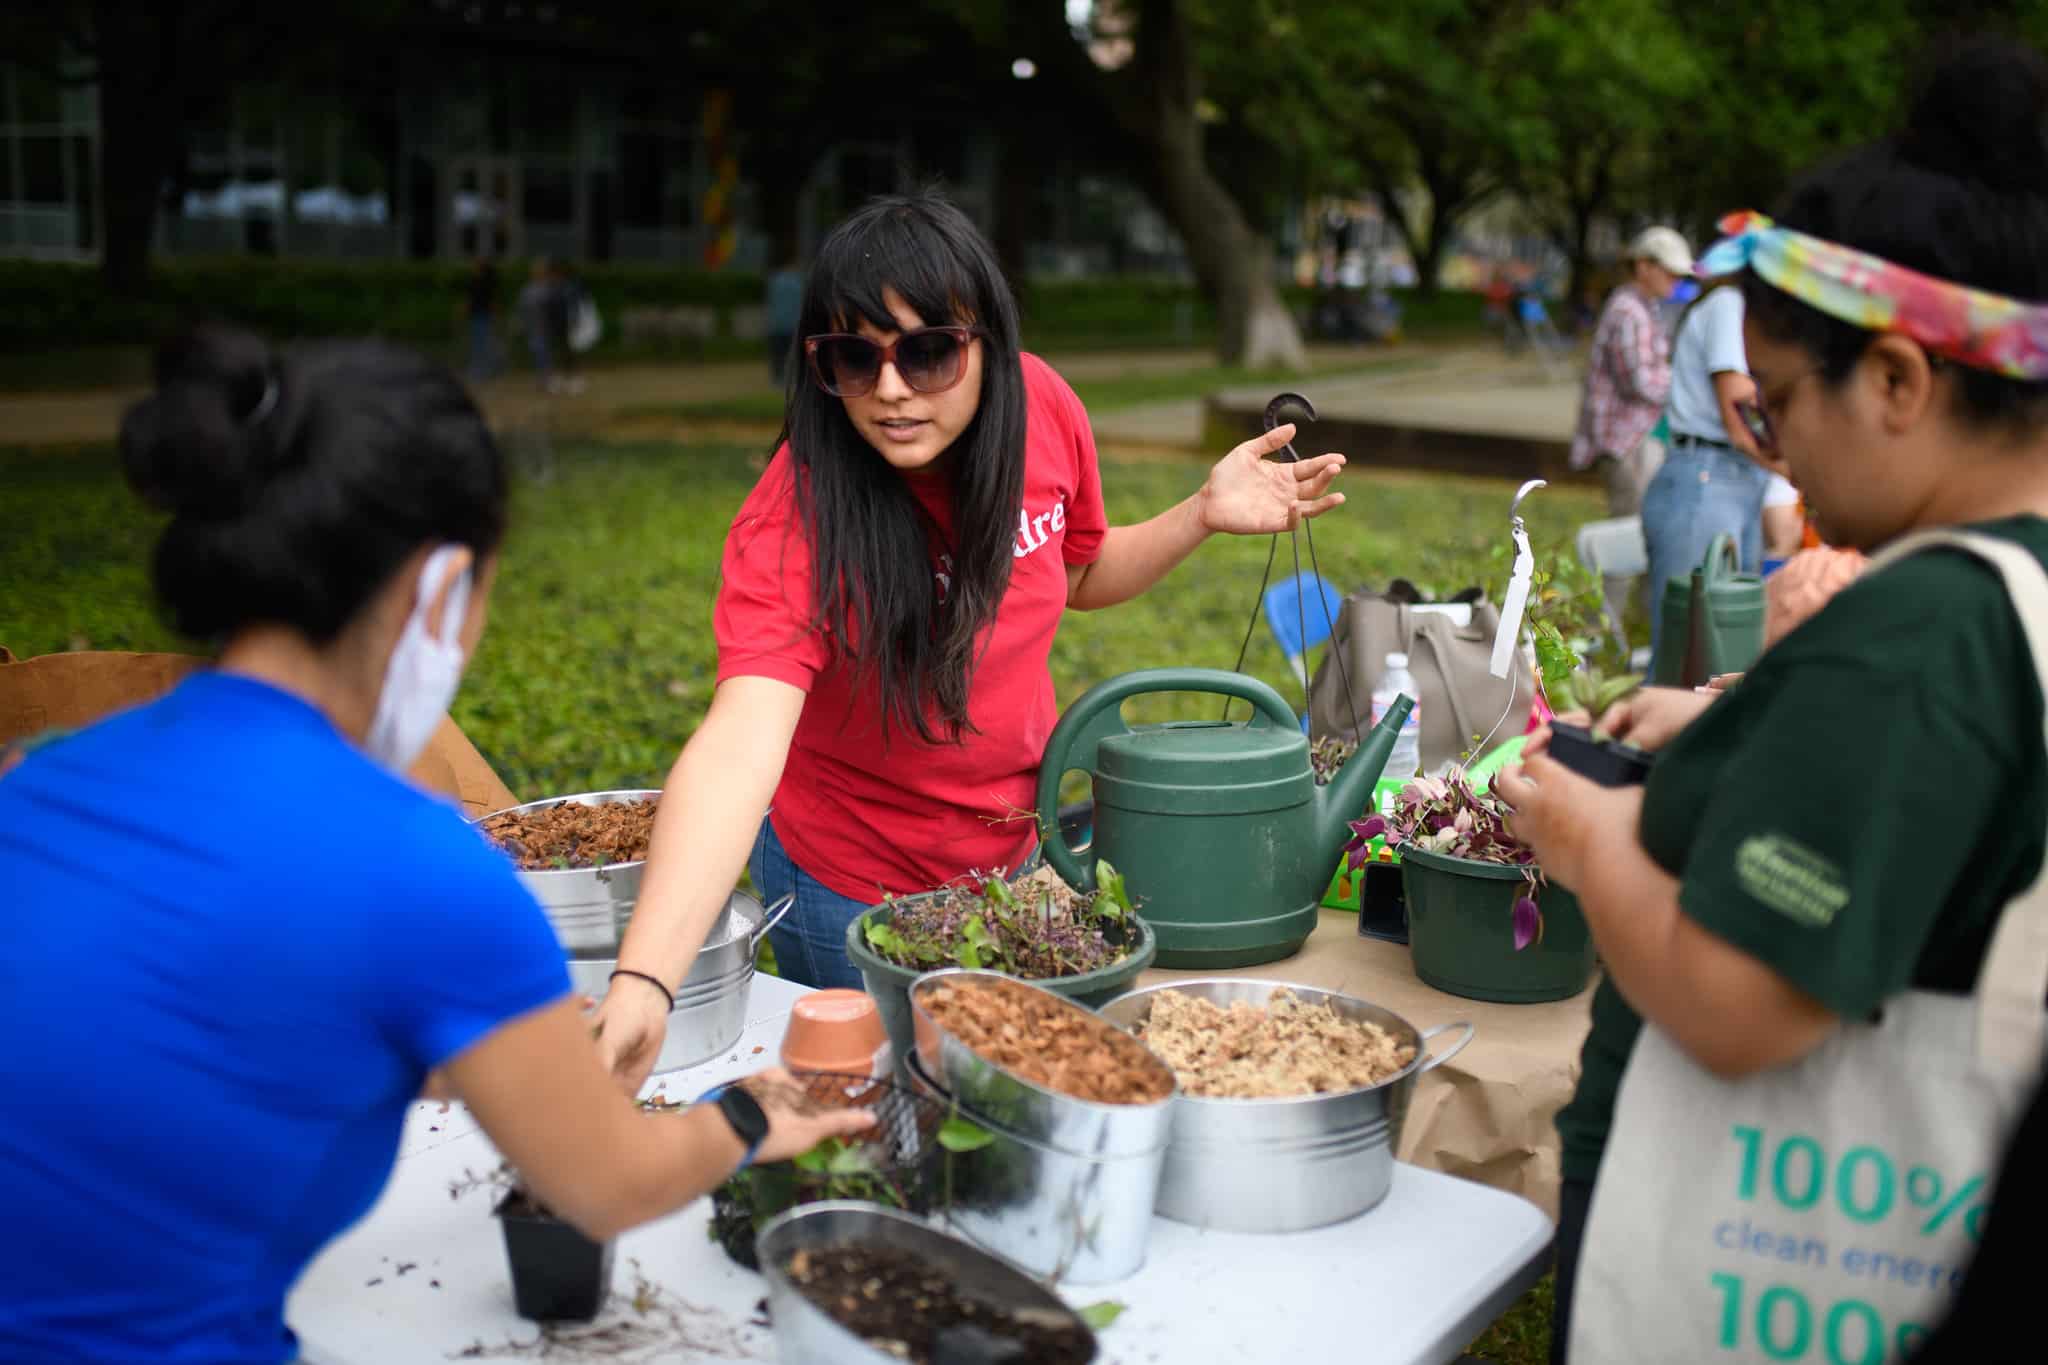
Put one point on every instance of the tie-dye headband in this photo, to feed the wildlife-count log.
(1969, 326)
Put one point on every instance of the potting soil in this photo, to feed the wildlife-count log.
(1049, 1042)
(903, 1304)
(573, 835)
(1290, 1047)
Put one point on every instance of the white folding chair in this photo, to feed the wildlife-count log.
(1616, 546)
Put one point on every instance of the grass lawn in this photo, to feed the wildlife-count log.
(599, 658)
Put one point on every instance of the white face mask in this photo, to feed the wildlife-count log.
(424, 670)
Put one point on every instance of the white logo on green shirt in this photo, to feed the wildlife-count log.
(1792, 879)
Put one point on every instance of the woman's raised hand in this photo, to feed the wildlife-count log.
(1249, 495)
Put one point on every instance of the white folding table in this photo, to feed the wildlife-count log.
(423, 1277)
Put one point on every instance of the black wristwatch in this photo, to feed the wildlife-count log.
(749, 1121)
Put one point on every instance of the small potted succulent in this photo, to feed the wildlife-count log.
(1086, 946)
(1482, 921)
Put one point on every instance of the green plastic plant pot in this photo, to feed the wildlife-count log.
(889, 984)
(1461, 932)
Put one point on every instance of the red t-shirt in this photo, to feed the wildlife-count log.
(869, 820)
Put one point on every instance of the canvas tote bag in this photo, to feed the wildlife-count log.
(1460, 698)
(1826, 1210)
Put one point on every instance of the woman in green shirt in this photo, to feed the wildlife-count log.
(1850, 820)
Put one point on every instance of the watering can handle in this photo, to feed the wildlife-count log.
(1097, 715)
(1723, 560)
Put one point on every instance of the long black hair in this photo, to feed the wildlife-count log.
(872, 584)
(300, 480)
(1960, 193)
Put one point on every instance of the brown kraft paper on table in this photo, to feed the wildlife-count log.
(1489, 1114)
(72, 690)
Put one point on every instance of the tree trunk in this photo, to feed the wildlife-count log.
(141, 117)
(1231, 263)
(1152, 102)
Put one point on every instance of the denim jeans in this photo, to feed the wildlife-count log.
(810, 943)
(1701, 491)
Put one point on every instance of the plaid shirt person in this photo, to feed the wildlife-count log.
(1627, 380)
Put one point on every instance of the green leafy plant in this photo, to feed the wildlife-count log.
(1033, 929)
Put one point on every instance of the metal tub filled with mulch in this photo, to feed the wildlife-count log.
(1077, 1112)
(1290, 1099)
(581, 857)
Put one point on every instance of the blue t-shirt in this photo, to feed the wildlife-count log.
(231, 948)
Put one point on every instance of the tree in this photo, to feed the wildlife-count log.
(1138, 68)
(1597, 87)
(1407, 104)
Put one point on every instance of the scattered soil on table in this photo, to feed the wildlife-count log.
(1290, 1047)
(574, 835)
(901, 1303)
(1049, 1042)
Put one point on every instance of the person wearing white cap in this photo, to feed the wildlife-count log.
(1628, 377)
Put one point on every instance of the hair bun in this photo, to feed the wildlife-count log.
(191, 447)
(1981, 115)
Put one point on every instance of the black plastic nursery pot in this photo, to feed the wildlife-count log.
(1608, 762)
(558, 1274)
(889, 984)
(1461, 932)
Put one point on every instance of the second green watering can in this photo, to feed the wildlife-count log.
(1713, 620)
(1222, 836)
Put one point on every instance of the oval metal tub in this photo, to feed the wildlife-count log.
(806, 1335)
(1030, 1110)
(711, 1004)
(1291, 1162)
(588, 906)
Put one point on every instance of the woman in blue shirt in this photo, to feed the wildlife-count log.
(279, 938)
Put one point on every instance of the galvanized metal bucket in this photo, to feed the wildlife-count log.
(1024, 1107)
(711, 1004)
(806, 1335)
(1292, 1162)
(588, 906)
(1075, 1218)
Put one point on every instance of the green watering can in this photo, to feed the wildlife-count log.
(1218, 828)
(1713, 620)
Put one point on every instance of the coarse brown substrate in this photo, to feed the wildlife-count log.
(1049, 1042)
(573, 835)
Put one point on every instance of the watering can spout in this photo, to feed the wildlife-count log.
(1350, 792)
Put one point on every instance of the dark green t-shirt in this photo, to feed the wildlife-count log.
(1858, 811)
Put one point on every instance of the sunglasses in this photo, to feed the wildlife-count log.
(930, 359)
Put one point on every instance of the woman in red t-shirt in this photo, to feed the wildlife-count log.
(891, 591)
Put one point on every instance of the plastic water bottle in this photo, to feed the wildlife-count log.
(1406, 759)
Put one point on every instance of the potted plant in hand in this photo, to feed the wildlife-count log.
(1088, 946)
(558, 1274)
(1482, 921)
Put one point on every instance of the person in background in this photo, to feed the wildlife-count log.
(1628, 378)
(1773, 885)
(784, 306)
(1713, 478)
(480, 305)
(566, 297)
(283, 939)
(1784, 521)
(536, 319)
